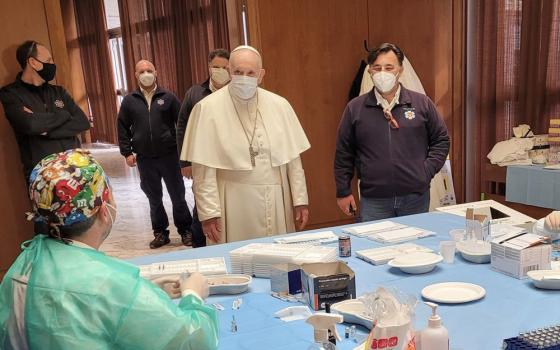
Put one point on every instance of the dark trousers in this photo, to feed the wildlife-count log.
(383, 208)
(198, 238)
(152, 171)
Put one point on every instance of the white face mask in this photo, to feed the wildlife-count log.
(219, 76)
(147, 79)
(243, 87)
(384, 81)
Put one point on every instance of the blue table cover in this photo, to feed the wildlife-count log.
(533, 185)
(509, 307)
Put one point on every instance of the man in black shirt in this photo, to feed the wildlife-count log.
(44, 117)
(218, 62)
(146, 124)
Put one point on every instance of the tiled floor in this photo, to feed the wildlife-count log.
(132, 231)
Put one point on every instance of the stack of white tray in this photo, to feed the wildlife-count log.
(370, 229)
(388, 232)
(382, 255)
(315, 238)
(206, 266)
(255, 259)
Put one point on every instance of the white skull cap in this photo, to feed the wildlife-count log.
(246, 47)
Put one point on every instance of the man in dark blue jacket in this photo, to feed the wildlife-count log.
(218, 63)
(398, 140)
(44, 117)
(147, 121)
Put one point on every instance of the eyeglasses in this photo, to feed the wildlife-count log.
(31, 48)
(387, 68)
(392, 121)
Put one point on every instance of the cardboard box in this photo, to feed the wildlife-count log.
(285, 279)
(516, 254)
(541, 141)
(327, 283)
(478, 222)
(499, 213)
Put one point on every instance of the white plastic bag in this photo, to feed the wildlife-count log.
(393, 320)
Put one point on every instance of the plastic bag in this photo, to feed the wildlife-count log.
(393, 320)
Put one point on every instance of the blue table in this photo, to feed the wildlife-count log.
(509, 307)
(533, 185)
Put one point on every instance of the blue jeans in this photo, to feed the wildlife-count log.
(382, 208)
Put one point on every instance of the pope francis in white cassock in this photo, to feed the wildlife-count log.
(244, 143)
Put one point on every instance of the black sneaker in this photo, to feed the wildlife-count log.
(160, 240)
(186, 238)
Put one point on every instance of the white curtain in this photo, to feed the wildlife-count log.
(409, 79)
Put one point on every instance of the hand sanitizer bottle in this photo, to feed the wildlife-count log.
(435, 336)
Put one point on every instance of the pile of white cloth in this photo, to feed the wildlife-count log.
(514, 151)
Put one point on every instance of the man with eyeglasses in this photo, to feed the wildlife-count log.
(396, 137)
(44, 117)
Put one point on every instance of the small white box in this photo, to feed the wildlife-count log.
(500, 214)
(516, 254)
(478, 223)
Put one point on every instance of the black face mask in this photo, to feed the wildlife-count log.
(48, 72)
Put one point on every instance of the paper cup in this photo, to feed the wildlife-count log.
(457, 234)
(447, 251)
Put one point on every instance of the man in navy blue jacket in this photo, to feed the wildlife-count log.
(147, 122)
(398, 140)
(218, 63)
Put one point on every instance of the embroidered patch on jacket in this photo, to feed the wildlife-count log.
(59, 103)
(409, 115)
(160, 101)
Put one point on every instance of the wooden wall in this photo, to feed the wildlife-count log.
(312, 50)
(39, 20)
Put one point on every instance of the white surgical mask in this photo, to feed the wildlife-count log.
(147, 79)
(110, 217)
(219, 76)
(243, 87)
(384, 81)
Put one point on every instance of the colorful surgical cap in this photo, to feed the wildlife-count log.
(67, 188)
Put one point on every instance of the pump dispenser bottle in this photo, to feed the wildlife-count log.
(323, 324)
(435, 336)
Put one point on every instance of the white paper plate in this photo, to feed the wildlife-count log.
(453, 292)
(228, 284)
(415, 263)
(545, 279)
(478, 252)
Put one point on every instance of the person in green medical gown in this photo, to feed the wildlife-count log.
(62, 293)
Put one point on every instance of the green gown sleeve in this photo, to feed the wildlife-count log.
(153, 321)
